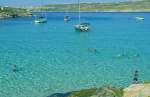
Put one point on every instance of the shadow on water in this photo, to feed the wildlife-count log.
(60, 95)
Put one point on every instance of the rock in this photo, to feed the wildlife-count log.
(99, 92)
(83, 93)
(137, 90)
(108, 92)
(10, 12)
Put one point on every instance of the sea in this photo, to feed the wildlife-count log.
(37, 60)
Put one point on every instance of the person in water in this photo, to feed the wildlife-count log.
(14, 68)
(93, 50)
(136, 77)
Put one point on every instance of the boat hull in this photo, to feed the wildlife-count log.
(40, 21)
(139, 18)
(82, 28)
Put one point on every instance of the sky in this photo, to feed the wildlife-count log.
(25, 3)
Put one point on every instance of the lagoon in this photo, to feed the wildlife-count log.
(53, 57)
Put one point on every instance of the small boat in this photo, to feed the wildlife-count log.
(40, 20)
(139, 18)
(83, 27)
(66, 18)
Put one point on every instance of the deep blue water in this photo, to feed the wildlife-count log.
(53, 57)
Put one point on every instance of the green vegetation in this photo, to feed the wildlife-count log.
(6, 12)
(84, 93)
(130, 6)
(146, 82)
(99, 92)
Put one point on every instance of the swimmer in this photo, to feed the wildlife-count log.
(14, 68)
(120, 55)
(136, 55)
(94, 50)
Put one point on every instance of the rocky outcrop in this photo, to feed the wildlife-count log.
(4, 15)
(94, 92)
(99, 92)
(137, 90)
(8, 12)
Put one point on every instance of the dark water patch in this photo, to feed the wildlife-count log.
(60, 94)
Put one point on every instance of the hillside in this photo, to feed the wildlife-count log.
(130, 6)
(6, 12)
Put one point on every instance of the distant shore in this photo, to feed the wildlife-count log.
(114, 11)
(9, 12)
(114, 7)
(129, 6)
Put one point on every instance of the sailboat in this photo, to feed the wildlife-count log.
(40, 19)
(139, 18)
(82, 27)
(66, 17)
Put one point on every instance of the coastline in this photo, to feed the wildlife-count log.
(93, 11)
(128, 6)
(6, 16)
(9, 12)
(133, 90)
(99, 7)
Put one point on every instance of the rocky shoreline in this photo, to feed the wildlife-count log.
(134, 90)
(9, 12)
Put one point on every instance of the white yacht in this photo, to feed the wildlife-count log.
(139, 18)
(66, 18)
(40, 20)
(82, 27)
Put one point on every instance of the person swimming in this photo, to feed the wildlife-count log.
(136, 55)
(93, 50)
(120, 55)
(14, 68)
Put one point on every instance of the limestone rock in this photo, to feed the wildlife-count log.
(137, 90)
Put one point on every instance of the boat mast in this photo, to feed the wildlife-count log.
(79, 15)
(66, 12)
(41, 11)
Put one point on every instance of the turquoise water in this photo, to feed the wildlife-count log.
(53, 57)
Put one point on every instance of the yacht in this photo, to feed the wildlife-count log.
(82, 27)
(40, 20)
(66, 18)
(139, 18)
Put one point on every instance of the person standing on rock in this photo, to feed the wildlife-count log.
(136, 77)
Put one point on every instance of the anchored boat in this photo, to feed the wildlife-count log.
(139, 18)
(40, 20)
(82, 27)
(66, 18)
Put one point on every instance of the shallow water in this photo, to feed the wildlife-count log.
(53, 57)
